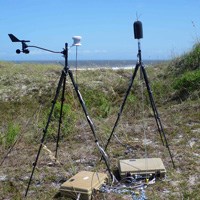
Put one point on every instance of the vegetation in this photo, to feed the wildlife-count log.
(185, 72)
(188, 62)
(26, 92)
(8, 139)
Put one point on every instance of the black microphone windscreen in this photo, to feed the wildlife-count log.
(138, 33)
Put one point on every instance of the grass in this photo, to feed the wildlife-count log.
(26, 92)
(10, 135)
(190, 61)
(188, 84)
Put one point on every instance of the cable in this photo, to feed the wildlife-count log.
(78, 196)
(134, 187)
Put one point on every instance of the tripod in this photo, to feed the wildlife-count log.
(62, 84)
(140, 65)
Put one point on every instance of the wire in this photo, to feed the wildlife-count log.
(127, 186)
(78, 196)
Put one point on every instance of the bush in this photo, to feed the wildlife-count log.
(188, 62)
(10, 135)
(97, 102)
(189, 81)
(187, 86)
(68, 121)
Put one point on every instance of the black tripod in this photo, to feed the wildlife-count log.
(61, 84)
(140, 65)
(66, 71)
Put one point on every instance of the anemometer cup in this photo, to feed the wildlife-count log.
(26, 51)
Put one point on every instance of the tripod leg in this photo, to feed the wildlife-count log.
(60, 118)
(153, 106)
(122, 106)
(45, 130)
(156, 114)
(103, 153)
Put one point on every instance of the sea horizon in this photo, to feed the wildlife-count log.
(85, 64)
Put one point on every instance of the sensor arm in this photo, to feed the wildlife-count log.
(33, 46)
(25, 46)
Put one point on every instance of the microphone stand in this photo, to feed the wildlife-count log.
(138, 34)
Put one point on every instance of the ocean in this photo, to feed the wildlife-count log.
(92, 64)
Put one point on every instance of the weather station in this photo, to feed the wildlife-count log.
(135, 173)
(61, 86)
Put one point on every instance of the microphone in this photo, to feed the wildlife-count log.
(137, 26)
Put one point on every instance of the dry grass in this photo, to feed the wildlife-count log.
(103, 91)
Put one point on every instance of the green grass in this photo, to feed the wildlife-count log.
(188, 62)
(68, 120)
(184, 73)
(24, 112)
(11, 134)
(188, 83)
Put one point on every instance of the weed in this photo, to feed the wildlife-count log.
(103, 92)
(187, 84)
(98, 102)
(187, 62)
(67, 123)
(10, 135)
(188, 81)
(10, 191)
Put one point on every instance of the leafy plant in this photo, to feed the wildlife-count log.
(188, 85)
(10, 134)
(187, 62)
(67, 123)
(98, 102)
(188, 81)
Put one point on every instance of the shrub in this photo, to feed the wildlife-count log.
(187, 85)
(10, 135)
(187, 62)
(68, 121)
(189, 81)
(97, 102)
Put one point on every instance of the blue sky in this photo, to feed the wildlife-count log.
(170, 27)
